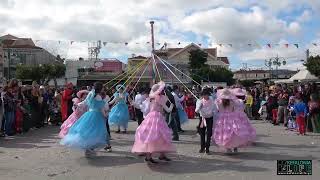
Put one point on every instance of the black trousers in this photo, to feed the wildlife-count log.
(139, 116)
(178, 121)
(171, 120)
(205, 143)
(108, 127)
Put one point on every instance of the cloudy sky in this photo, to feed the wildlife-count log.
(205, 22)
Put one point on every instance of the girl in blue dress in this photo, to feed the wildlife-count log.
(119, 115)
(89, 132)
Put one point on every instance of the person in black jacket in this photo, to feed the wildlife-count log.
(171, 117)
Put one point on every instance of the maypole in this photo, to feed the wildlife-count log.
(152, 46)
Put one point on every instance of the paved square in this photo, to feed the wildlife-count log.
(37, 155)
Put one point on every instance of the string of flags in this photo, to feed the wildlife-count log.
(268, 45)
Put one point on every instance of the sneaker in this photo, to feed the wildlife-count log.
(175, 139)
(117, 132)
(201, 150)
(207, 151)
(124, 132)
(235, 150)
(108, 148)
(164, 158)
(150, 160)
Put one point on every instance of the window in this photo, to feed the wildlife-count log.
(264, 75)
(256, 75)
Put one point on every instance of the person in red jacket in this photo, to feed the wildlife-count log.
(66, 102)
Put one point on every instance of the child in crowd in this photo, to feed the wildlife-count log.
(18, 117)
(300, 109)
(26, 109)
(54, 113)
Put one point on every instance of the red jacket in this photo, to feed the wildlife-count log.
(66, 97)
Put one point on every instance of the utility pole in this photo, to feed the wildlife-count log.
(307, 54)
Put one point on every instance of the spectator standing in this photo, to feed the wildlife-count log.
(249, 103)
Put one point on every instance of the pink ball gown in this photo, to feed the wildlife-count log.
(153, 135)
(80, 109)
(233, 128)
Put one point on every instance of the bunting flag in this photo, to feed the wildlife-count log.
(253, 44)
(315, 44)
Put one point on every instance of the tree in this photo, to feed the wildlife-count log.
(200, 71)
(313, 65)
(197, 58)
(42, 74)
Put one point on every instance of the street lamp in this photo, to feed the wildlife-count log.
(277, 62)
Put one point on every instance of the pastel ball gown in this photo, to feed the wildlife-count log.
(153, 135)
(233, 128)
(80, 109)
(89, 131)
(119, 114)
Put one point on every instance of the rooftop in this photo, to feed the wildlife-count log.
(10, 41)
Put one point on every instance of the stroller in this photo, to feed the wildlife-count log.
(292, 125)
(263, 111)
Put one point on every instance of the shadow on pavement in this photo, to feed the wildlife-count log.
(271, 145)
(188, 165)
(180, 165)
(267, 157)
(45, 136)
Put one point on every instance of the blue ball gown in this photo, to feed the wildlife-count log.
(89, 131)
(119, 114)
(183, 117)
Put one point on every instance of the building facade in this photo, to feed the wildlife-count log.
(22, 51)
(1, 60)
(179, 58)
(259, 74)
(143, 66)
(87, 71)
(251, 75)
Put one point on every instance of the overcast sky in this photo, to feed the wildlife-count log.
(209, 22)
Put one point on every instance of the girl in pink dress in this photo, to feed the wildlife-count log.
(79, 109)
(154, 135)
(233, 128)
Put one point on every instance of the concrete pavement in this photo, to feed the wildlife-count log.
(38, 155)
